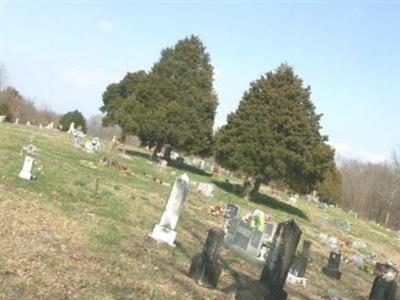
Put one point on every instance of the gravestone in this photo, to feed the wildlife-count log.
(77, 136)
(162, 164)
(279, 260)
(16, 121)
(300, 263)
(2, 119)
(165, 230)
(206, 189)
(385, 287)
(28, 123)
(231, 211)
(332, 269)
(205, 268)
(71, 127)
(89, 148)
(26, 172)
(50, 125)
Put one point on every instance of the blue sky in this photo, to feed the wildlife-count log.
(64, 54)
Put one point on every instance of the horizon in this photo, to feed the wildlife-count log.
(65, 54)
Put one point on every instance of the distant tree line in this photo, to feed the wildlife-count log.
(13, 105)
(372, 190)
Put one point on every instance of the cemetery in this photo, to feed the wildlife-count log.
(83, 221)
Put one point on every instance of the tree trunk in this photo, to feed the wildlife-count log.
(167, 153)
(254, 192)
(157, 149)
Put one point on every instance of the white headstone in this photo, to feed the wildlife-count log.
(206, 189)
(40, 126)
(89, 148)
(26, 172)
(2, 119)
(50, 125)
(16, 121)
(71, 127)
(28, 123)
(164, 231)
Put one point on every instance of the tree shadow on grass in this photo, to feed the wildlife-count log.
(188, 168)
(261, 199)
(139, 154)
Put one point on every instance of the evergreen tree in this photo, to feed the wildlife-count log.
(183, 112)
(73, 116)
(330, 189)
(274, 134)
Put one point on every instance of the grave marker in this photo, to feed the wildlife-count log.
(26, 172)
(332, 269)
(164, 231)
(205, 268)
(279, 260)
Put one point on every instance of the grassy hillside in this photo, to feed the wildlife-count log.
(59, 241)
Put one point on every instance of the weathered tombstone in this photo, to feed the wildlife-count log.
(205, 268)
(206, 189)
(28, 123)
(40, 126)
(385, 287)
(164, 231)
(89, 148)
(332, 269)
(2, 119)
(26, 172)
(71, 127)
(300, 263)
(50, 125)
(16, 121)
(231, 211)
(77, 135)
(279, 260)
(162, 164)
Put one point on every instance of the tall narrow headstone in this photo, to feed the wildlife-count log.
(16, 121)
(205, 268)
(2, 119)
(26, 172)
(165, 230)
(71, 127)
(279, 260)
(332, 269)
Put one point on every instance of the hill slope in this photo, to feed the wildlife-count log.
(59, 241)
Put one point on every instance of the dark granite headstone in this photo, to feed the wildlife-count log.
(279, 260)
(300, 263)
(332, 269)
(383, 289)
(205, 268)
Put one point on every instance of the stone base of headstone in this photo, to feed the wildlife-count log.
(204, 271)
(333, 273)
(25, 175)
(164, 235)
(293, 279)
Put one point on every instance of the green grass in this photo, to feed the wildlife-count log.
(60, 240)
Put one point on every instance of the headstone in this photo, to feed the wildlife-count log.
(89, 148)
(300, 263)
(28, 123)
(40, 126)
(71, 127)
(50, 125)
(26, 172)
(165, 230)
(325, 218)
(205, 268)
(279, 260)
(385, 287)
(162, 164)
(206, 189)
(2, 119)
(77, 136)
(332, 269)
(231, 211)
(16, 121)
